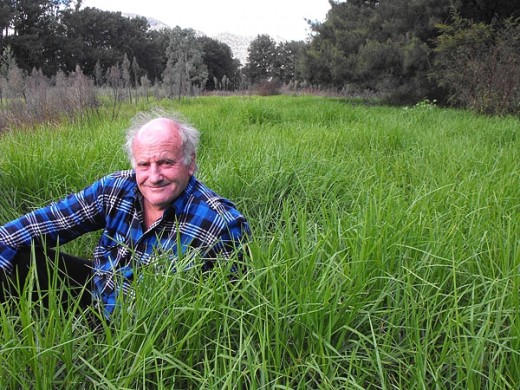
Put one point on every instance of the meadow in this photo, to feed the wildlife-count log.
(385, 253)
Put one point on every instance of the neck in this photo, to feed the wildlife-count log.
(151, 216)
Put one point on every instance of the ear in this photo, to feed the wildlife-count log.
(193, 164)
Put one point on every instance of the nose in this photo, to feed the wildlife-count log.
(155, 173)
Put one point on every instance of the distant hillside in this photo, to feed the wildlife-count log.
(154, 23)
(238, 43)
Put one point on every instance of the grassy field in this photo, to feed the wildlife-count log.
(385, 255)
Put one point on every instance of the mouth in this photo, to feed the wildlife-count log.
(155, 188)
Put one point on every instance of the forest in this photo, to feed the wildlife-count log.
(462, 53)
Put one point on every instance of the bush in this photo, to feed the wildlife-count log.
(268, 88)
(478, 63)
(36, 99)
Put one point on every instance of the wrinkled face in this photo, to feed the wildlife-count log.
(158, 161)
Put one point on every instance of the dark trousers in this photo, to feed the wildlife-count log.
(50, 267)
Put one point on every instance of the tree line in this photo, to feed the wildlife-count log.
(58, 35)
(459, 52)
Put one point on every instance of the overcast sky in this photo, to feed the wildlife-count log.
(278, 18)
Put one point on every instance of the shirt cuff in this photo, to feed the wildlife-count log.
(7, 255)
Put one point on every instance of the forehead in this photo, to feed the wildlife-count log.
(159, 127)
(158, 134)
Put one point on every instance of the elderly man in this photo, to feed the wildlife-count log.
(158, 207)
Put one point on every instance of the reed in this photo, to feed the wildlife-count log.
(385, 254)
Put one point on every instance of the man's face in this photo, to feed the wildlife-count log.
(160, 171)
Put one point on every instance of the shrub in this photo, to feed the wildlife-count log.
(36, 99)
(478, 63)
(268, 88)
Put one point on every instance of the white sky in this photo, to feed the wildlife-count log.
(283, 19)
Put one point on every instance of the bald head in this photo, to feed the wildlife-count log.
(159, 124)
(158, 128)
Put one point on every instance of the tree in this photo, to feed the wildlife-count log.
(153, 61)
(388, 46)
(287, 61)
(185, 70)
(98, 74)
(136, 70)
(126, 76)
(219, 60)
(115, 81)
(145, 86)
(94, 36)
(6, 19)
(7, 61)
(478, 64)
(261, 58)
(487, 11)
(12, 78)
(329, 59)
(380, 46)
(35, 33)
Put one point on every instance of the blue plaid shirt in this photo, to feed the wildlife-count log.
(198, 219)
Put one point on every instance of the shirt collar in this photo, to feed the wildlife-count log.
(179, 203)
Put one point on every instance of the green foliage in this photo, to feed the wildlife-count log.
(32, 99)
(221, 67)
(388, 47)
(384, 48)
(488, 12)
(32, 30)
(384, 255)
(478, 63)
(271, 64)
(185, 71)
(261, 56)
(106, 37)
(288, 64)
(381, 48)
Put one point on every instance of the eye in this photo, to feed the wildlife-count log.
(168, 163)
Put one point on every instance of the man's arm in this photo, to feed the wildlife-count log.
(231, 245)
(58, 223)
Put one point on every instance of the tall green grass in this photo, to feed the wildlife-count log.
(385, 254)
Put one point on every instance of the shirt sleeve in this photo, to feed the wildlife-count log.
(231, 244)
(58, 223)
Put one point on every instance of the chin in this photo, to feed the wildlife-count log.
(161, 202)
